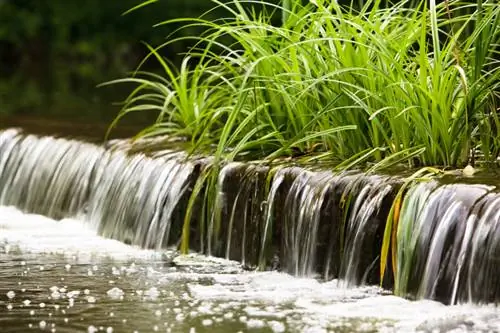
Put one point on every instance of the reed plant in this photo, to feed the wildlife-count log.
(413, 82)
(400, 83)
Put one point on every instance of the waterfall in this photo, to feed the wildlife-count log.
(449, 243)
(304, 221)
(129, 198)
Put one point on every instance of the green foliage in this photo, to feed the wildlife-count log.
(418, 85)
(94, 30)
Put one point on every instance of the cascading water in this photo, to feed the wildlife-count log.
(449, 243)
(306, 222)
(129, 198)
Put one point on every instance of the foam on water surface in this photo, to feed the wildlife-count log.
(60, 276)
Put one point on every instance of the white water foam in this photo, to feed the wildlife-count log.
(257, 300)
(31, 233)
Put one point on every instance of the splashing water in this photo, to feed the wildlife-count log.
(60, 276)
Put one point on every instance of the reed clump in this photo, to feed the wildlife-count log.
(408, 83)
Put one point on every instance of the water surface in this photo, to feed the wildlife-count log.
(59, 276)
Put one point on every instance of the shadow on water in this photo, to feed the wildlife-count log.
(63, 99)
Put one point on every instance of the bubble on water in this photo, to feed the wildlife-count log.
(56, 307)
(42, 305)
(54, 288)
(109, 330)
(68, 267)
(23, 290)
(111, 314)
(66, 320)
(255, 323)
(86, 291)
(30, 325)
(9, 307)
(71, 302)
(92, 329)
(207, 322)
(42, 324)
(91, 299)
(228, 315)
(157, 313)
(26, 302)
(11, 294)
(115, 293)
(90, 273)
(32, 312)
(243, 319)
(55, 295)
(73, 293)
(180, 317)
(276, 326)
(62, 290)
(192, 330)
(155, 328)
(152, 293)
(23, 263)
(41, 268)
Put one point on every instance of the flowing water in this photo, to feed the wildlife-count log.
(60, 276)
(103, 258)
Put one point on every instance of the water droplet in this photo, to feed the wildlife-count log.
(11, 294)
(207, 322)
(276, 326)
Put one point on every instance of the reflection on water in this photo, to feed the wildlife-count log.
(61, 277)
(64, 98)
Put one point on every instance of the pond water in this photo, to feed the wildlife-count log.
(59, 276)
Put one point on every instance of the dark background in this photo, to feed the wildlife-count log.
(54, 53)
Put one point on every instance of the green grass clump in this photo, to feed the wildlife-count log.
(404, 83)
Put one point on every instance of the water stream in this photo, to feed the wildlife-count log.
(101, 256)
(60, 276)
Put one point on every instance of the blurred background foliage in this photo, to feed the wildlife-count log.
(54, 53)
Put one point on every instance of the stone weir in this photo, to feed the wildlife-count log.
(444, 237)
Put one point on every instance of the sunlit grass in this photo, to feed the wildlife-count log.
(415, 84)
(419, 83)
